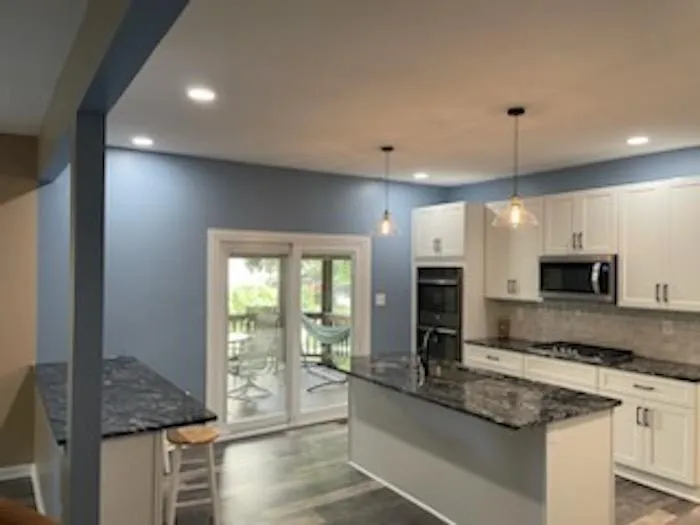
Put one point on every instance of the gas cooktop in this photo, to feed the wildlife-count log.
(596, 355)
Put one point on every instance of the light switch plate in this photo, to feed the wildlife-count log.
(667, 327)
(380, 299)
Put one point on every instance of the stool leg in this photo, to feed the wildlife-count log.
(174, 485)
(213, 487)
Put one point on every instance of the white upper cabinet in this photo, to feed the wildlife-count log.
(682, 279)
(512, 256)
(642, 237)
(583, 222)
(659, 248)
(439, 231)
(558, 220)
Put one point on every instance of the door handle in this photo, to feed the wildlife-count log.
(573, 240)
(646, 388)
(646, 418)
(666, 292)
(493, 358)
(515, 286)
(658, 293)
(595, 277)
(580, 240)
(640, 423)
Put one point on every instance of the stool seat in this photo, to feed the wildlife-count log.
(194, 435)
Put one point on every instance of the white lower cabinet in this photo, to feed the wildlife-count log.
(656, 438)
(496, 360)
(670, 442)
(628, 438)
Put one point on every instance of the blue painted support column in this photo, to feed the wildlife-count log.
(82, 505)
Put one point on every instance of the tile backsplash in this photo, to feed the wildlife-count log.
(663, 335)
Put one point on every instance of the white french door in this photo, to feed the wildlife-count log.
(277, 305)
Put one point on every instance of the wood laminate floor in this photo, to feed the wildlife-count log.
(302, 478)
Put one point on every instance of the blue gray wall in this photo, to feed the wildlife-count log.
(679, 163)
(158, 210)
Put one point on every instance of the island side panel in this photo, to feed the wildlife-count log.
(580, 462)
(132, 468)
(465, 469)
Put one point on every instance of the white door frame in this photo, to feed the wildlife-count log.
(218, 250)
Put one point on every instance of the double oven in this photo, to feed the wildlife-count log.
(439, 326)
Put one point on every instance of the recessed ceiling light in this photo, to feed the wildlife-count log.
(142, 141)
(421, 175)
(637, 141)
(201, 94)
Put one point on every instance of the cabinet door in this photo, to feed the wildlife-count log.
(424, 232)
(449, 220)
(684, 245)
(628, 435)
(496, 255)
(525, 251)
(595, 221)
(670, 442)
(558, 224)
(643, 227)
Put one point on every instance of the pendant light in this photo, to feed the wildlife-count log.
(514, 214)
(387, 226)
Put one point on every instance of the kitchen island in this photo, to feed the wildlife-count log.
(476, 447)
(137, 405)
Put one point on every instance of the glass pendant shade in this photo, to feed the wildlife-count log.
(386, 226)
(514, 215)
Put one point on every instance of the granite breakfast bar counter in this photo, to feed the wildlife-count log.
(479, 447)
(138, 404)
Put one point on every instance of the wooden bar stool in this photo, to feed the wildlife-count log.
(191, 437)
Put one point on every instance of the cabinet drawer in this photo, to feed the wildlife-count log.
(561, 373)
(503, 361)
(648, 387)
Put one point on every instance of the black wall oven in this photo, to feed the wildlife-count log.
(440, 311)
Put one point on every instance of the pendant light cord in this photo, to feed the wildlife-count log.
(387, 166)
(516, 148)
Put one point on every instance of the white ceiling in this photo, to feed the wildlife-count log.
(35, 37)
(320, 84)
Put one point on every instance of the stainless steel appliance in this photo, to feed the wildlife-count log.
(579, 277)
(597, 355)
(439, 323)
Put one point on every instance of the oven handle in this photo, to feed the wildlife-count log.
(595, 277)
(439, 282)
(438, 330)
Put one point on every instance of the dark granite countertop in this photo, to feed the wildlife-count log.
(135, 399)
(507, 401)
(638, 364)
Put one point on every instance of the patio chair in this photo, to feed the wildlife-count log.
(253, 360)
(329, 336)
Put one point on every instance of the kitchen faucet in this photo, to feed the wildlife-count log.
(424, 351)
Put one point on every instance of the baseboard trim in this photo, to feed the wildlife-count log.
(16, 472)
(667, 487)
(401, 493)
(36, 488)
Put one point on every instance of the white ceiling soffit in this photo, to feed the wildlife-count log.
(35, 37)
(320, 84)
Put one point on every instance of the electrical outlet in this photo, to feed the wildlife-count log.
(380, 299)
(667, 327)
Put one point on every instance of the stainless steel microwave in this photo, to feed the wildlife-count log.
(579, 277)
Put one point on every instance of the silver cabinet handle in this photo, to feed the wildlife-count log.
(437, 248)
(580, 240)
(666, 292)
(493, 358)
(646, 388)
(515, 286)
(646, 418)
(640, 422)
(658, 293)
(573, 240)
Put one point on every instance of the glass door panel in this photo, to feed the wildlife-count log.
(326, 303)
(256, 352)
